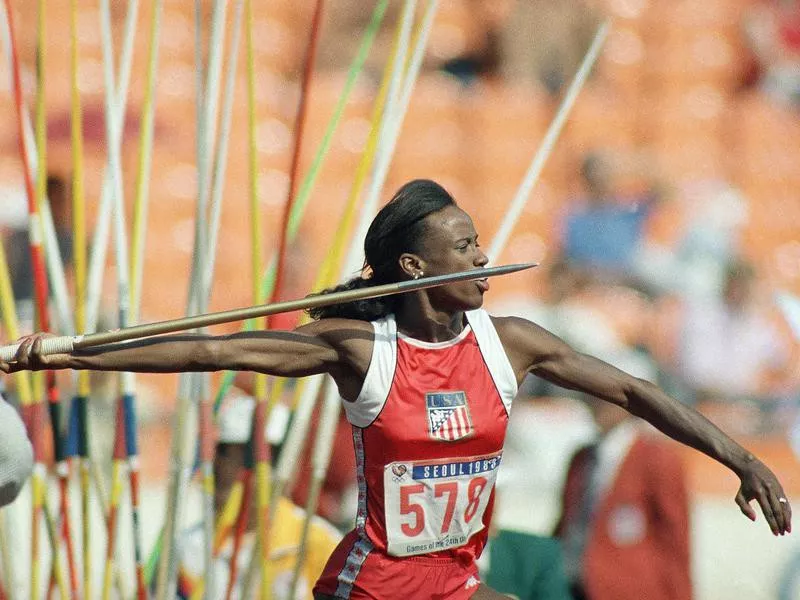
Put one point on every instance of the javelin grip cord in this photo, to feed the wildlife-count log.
(55, 345)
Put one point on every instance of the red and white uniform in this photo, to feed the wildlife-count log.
(428, 432)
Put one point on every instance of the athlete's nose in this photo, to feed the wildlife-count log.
(481, 260)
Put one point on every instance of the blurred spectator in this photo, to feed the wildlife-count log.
(519, 40)
(603, 230)
(772, 31)
(545, 429)
(691, 241)
(727, 346)
(481, 56)
(16, 453)
(590, 315)
(235, 425)
(344, 24)
(542, 435)
(526, 567)
(625, 521)
(560, 309)
(17, 245)
(546, 41)
(531, 40)
(339, 494)
(543, 432)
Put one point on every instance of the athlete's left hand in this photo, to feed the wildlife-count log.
(760, 484)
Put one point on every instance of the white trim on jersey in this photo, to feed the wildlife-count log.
(435, 345)
(379, 377)
(380, 374)
(494, 355)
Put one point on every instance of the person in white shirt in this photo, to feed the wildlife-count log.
(16, 453)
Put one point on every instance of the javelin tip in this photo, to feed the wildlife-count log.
(512, 268)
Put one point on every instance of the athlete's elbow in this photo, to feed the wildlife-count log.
(211, 354)
(637, 396)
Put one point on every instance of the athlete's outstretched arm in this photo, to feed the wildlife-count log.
(308, 350)
(533, 349)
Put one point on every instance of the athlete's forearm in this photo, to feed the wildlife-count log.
(282, 353)
(168, 354)
(279, 353)
(592, 376)
(686, 425)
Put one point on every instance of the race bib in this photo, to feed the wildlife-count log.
(436, 505)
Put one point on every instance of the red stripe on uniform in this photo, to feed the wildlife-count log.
(447, 428)
(456, 419)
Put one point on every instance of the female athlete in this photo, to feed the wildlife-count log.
(427, 379)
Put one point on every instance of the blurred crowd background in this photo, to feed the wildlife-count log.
(666, 220)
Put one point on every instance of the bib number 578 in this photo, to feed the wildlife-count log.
(448, 492)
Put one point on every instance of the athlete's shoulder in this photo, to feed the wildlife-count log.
(335, 330)
(511, 325)
(517, 325)
(520, 335)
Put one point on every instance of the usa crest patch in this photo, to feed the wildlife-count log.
(448, 415)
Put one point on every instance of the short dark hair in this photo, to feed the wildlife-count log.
(397, 228)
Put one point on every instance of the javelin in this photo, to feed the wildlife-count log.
(66, 344)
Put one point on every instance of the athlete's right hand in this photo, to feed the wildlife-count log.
(29, 355)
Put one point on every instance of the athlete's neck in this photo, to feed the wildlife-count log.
(429, 325)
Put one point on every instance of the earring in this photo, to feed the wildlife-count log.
(418, 274)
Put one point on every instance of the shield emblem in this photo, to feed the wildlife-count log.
(448, 416)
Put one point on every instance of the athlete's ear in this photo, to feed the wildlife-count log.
(412, 265)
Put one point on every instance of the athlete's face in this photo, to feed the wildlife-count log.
(451, 245)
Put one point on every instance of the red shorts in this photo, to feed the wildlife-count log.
(356, 571)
